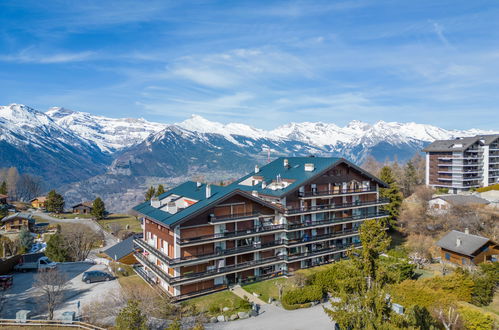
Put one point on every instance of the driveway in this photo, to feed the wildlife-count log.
(22, 295)
(110, 240)
(272, 317)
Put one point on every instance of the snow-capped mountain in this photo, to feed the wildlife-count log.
(65, 146)
(110, 134)
(31, 141)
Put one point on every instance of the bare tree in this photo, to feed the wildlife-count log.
(115, 228)
(28, 187)
(52, 284)
(79, 240)
(449, 319)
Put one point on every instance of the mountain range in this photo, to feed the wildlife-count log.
(77, 151)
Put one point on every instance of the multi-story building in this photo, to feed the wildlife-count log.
(463, 163)
(292, 213)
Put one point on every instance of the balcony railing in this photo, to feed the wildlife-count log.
(312, 239)
(232, 234)
(151, 249)
(308, 224)
(333, 249)
(340, 191)
(236, 216)
(256, 246)
(325, 207)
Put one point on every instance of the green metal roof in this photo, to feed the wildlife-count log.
(295, 171)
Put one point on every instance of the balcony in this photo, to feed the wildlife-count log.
(320, 252)
(326, 207)
(312, 239)
(331, 193)
(332, 221)
(265, 229)
(255, 247)
(151, 249)
(237, 217)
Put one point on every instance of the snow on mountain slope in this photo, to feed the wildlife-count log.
(110, 134)
(34, 143)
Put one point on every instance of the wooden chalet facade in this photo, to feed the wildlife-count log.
(39, 202)
(293, 213)
(83, 208)
(465, 249)
(16, 221)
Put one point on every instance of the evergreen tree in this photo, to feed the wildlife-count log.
(98, 209)
(3, 188)
(410, 179)
(392, 193)
(4, 211)
(56, 249)
(55, 202)
(25, 239)
(160, 190)
(131, 318)
(365, 304)
(150, 193)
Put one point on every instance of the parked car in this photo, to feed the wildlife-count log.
(96, 276)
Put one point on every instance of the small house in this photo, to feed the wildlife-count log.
(83, 208)
(443, 203)
(18, 220)
(39, 202)
(123, 251)
(466, 249)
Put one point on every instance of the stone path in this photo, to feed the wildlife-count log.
(238, 291)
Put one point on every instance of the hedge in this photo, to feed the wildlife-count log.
(303, 295)
(489, 188)
(476, 320)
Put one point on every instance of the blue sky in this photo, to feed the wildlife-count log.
(265, 63)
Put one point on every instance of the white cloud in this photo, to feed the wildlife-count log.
(31, 55)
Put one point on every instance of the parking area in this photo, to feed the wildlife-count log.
(22, 295)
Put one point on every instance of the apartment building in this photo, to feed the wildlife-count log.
(292, 213)
(463, 163)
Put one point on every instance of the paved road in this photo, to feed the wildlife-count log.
(22, 295)
(276, 318)
(110, 240)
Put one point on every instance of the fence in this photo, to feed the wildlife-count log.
(48, 323)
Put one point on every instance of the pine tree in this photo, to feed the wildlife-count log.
(25, 239)
(392, 193)
(160, 190)
(56, 250)
(131, 318)
(150, 193)
(55, 202)
(4, 211)
(3, 188)
(410, 179)
(98, 209)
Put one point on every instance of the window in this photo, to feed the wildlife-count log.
(464, 261)
(447, 256)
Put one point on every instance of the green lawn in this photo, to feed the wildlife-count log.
(268, 288)
(123, 220)
(424, 273)
(212, 304)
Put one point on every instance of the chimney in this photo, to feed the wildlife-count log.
(198, 184)
(155, 202)
(208, 190)
(254, 193)
(286, 163)
(264, 184)
(257, 169)
(466, 231)
(458, 242)
(309, 167)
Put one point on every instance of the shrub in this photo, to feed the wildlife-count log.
(475, 320)
(441, 191)
(458, 284)
(489, 188)
(303, 295)
(339, 277)
(243, 304)
(214, 309)
(485, 283)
